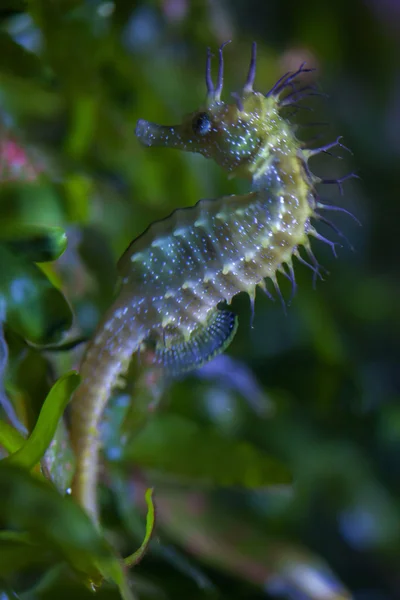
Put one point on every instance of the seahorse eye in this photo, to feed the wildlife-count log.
(201, 124)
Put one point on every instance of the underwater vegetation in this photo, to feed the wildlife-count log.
(160, 435)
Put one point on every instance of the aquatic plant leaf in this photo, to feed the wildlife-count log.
(59, 525)
(30, 204)
(134, 558)
(180, 447)
(18, 550)
(33, 449)
(33, 307)
(10, 438)
(36, 244)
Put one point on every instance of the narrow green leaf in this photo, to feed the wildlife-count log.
(10, 438)
(83, 122)
(180, 447)
(134, 558)
(77, 190)
(36, 445)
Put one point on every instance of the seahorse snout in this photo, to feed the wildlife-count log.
(143, 132)
(151, 134)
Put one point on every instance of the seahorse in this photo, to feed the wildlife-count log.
(178, 276)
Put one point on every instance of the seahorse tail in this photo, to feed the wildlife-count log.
(88, 405)
(106, 358)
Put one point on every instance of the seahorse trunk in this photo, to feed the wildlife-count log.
(118, 336)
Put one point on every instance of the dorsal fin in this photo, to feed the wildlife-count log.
(204, 344)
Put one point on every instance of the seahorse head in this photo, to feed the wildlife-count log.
(237, 135)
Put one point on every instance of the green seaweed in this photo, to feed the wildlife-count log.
(33, 449)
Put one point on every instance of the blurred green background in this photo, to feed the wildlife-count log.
(311, 396)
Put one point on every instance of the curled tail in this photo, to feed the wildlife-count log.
(118, 336)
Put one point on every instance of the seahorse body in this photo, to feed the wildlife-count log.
(175, 275)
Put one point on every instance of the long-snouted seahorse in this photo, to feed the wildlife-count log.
(175, 275)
